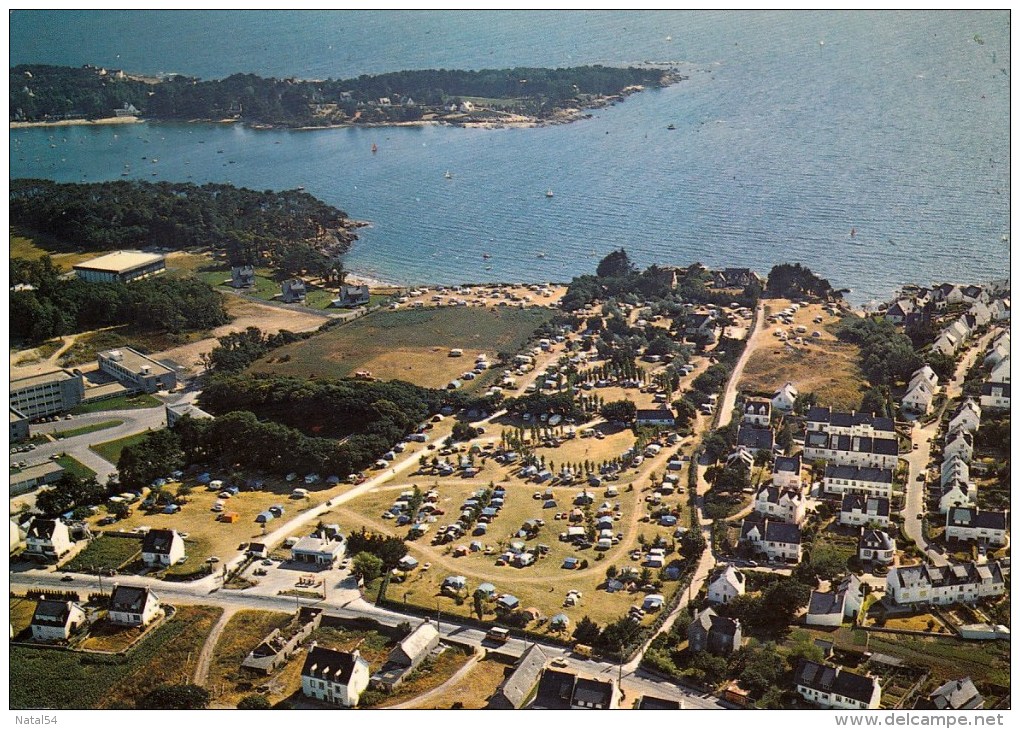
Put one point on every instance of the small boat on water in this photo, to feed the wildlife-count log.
(853, 232)
(671, 127)
(540, 255)
(448, 176)
(548, 193)
(486, 256)
(374, 148)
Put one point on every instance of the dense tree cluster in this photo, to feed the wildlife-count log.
(175, 696)
(330, 408)
(55, 306)
(788, 280)
(237, 350)
(539, 403)
(69, 493)
(887, 355)
(389, 550)
(46, 92)
(289, 229)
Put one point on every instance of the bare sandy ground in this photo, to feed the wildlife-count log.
(270, 319)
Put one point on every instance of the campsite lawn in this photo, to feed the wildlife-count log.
(111, 449)
(412, 344)
(542, 585)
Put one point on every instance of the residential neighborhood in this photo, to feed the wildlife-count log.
(667, 515)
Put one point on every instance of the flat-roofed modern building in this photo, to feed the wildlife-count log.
(175, 412)
(137, 370)
(19, 426)
(47, 394)
(122, 266)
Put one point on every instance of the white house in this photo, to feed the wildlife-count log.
(959, 444)
(875, 545)
(957, 493)
(56, 620)
(785, 397)
(727, 585)
(323, 548)
(868, 481)
(335, 677)
(162, 548)
(48, 538)
(133, 606)
(861, 510)
(1000, 371)
(777, 540)
(998, 352)
(955, 468)
(842, 601)
(995, 395)
(853, 423)
(981, 313)
(783, 504)
(959, 329)
(942, 585)
(967, 417)
(836, 688)
(851, 450)
(924, 374)
(972, 525)
(757, 413)
(946, 343)
(786, 472)
(918, 398)
(1000, 309)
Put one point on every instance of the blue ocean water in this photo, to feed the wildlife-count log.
(793, 129)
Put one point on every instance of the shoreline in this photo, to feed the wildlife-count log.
(104, 121)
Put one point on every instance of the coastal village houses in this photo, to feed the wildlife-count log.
(335, 677)
(777, 540)
(786, 472)
(861, 510)
(866, 481)
(778, 503)
(48, 538)
(836, 688)
(942, 585)
(785, 397)
(133, 606)
(56, 620)
(830, 608)
(967, 524)
(728, 584)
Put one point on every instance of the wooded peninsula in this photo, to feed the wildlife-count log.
(40, 93)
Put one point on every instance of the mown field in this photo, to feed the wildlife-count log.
(43, 678)
(411, 345)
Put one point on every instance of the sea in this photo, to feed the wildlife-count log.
(871, 146)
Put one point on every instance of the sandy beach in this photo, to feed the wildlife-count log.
(79, 122)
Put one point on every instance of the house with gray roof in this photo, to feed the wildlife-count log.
(942, 585)
(970, 524)
(831, 607)
(780, 503)
(851, 450)
(875, 545)
(711, 632)
(956, 695)
(846, 479)
(777, 540)
(162, 548)
(786, 472)
(756, 439)
(519, 687)
(727, 584)
(861, 510)
(133, 606)
(335, 677)
(835, 687)
(55, 620)
(835, 422)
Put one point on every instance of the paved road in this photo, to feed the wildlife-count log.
(729, 398)
(917, 460)
(341, 604)
(134, 421)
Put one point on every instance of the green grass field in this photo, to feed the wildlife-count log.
(122, 402)
(410, 345)
(105, 553)
(85, 429)
(74, 466)
(111, 449)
